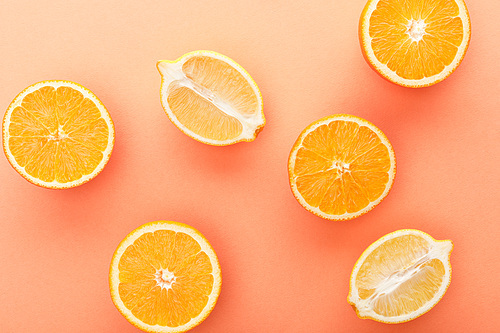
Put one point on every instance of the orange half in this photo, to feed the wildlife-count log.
(341, 167)
(57, 134)
(211, 98)
(165, 277)
(414, 43)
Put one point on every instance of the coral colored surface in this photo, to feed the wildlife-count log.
(284, 270)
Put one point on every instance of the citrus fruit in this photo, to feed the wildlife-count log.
(341, 167)
(211, 98)
(57, 134)
(400, 277)
(414, 43)
(165, 277)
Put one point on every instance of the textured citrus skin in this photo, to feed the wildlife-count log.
(364, 21)
(127, 241)
(297, 145)
(232, 63)
(370, 249)
(73, 184)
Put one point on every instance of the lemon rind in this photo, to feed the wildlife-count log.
(445, 246)
(252, 125)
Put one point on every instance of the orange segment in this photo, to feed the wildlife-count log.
(376, 158)
(134, 267)
(400, 276)
(24, 148)
(332, 203)
(198, 264)
(42, 104)
(193, 291)
(86, 113)
(185, 247)
(57, 134)
(211, 98)
(133, 293)
(309, 162)
(313, 188)
(414, 43)
(341, 167)
(68, 102)
(165, 277)
(374, 183)
(156, 248)
(175, 311)
(25, 124)
(92, 134)
(41, 165)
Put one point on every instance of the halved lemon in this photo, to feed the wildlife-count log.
(414, 43)
(341, 167)
(165, 277)
(211, 98)
(400, 277)
(57, 134)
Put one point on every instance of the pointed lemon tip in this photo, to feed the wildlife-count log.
(159, 65)
(450, 245)
(447, 245)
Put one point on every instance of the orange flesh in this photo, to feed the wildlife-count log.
(181, 255)
(415, 278)
(392, 23)
(341, 167)
(215, 83)
(57, 134)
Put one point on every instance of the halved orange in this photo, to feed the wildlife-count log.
(341, 167)
(400, 277)
(414, 43)
(57, 134)
(165, 277)
(211, 98)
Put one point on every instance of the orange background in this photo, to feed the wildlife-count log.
(284, 270)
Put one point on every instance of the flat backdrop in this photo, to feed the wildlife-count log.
(284, 269)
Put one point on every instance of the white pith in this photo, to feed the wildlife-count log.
(416, 29)
(59, 134)
(392, 76)
(342, 167)
(164, 275)
(438, 250)
(165, 278)
(172, 71)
